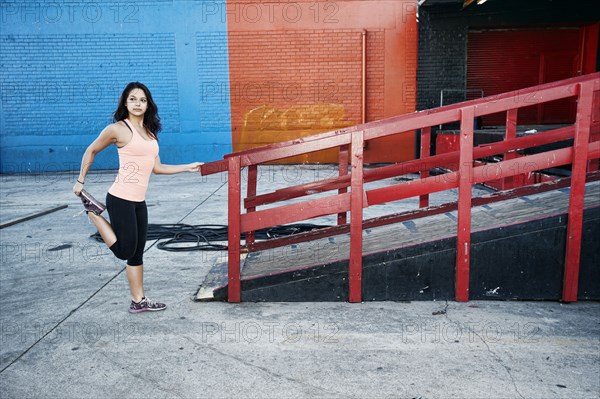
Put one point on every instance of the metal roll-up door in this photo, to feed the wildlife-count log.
(503, 60)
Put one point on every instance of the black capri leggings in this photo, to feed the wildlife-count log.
(129, 221)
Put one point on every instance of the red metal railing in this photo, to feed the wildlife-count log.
(583, 157)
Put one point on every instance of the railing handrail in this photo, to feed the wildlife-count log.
(416, 165)
(337, 203)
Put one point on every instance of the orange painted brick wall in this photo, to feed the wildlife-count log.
(375, 74)
(295, 70)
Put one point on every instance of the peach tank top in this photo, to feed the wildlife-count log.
(136, 161)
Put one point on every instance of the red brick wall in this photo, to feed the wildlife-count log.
(375, 74)
(291, 78)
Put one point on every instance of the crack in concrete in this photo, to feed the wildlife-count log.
(141, 377)
(494, 355)
(266, 370)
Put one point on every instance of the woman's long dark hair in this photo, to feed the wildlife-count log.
(151, 118)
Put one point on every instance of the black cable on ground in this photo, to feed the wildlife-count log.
(207, 237)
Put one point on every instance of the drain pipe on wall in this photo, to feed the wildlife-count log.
(364, 77)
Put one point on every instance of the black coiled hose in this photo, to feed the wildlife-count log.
(184, 237)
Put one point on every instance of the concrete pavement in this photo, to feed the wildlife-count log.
(65, 330)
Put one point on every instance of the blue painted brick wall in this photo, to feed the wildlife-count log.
(64, 64)
(213, 78)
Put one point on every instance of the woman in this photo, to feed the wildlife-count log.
(135, 133)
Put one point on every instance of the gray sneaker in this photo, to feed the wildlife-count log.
(146, 305)
(91, 204)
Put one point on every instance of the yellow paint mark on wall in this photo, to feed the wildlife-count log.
(266, 125)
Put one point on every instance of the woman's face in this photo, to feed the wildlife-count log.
(137, 103)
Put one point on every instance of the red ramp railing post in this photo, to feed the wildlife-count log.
(356, 216)
(234, 219)
(463, 236)
(251, 192)
(425, 153)
(511, 133)
(577, 194)
(343, 171)
(594, 164)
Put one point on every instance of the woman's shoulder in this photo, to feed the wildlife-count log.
(116, 128)
(118, 125)
(117, 132)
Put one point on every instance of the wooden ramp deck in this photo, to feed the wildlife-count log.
(518, 251)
